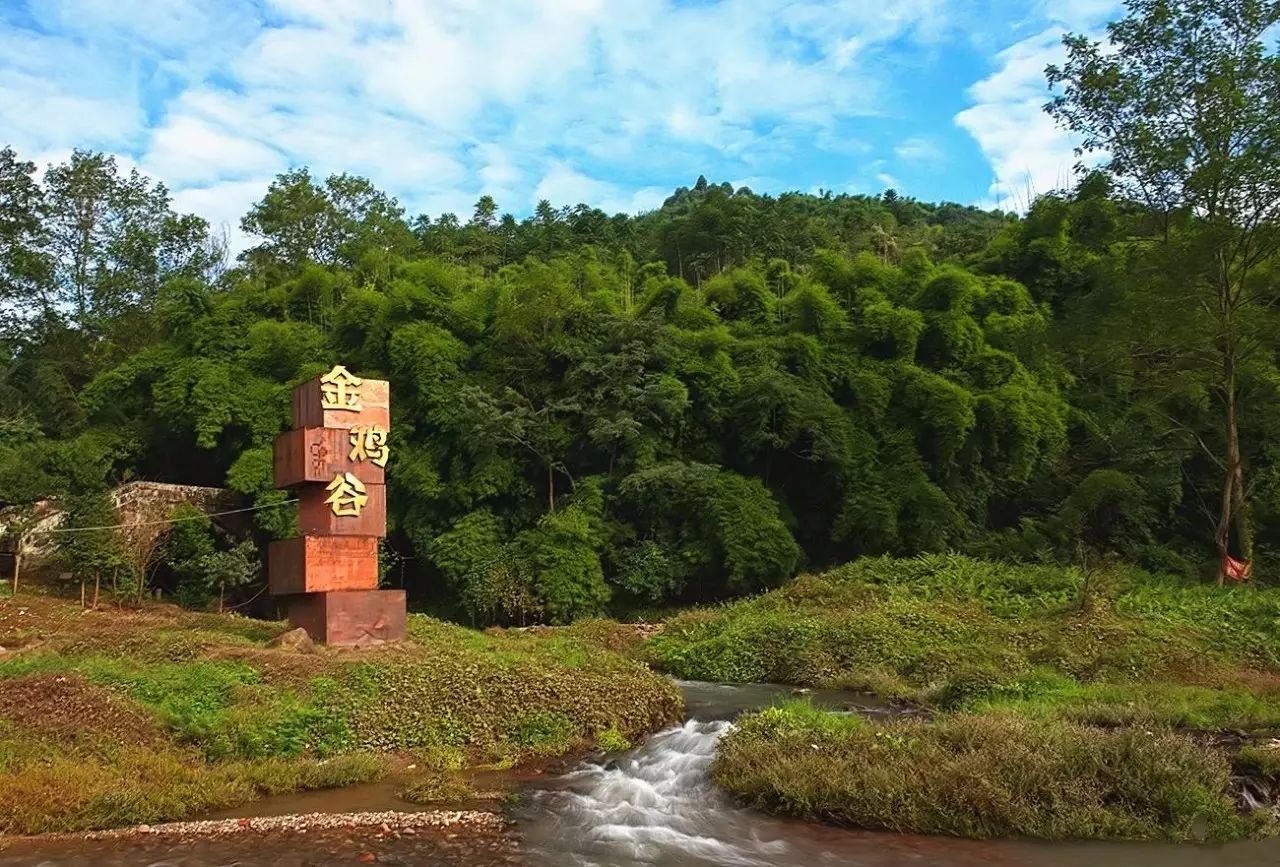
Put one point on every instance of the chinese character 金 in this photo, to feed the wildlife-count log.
(348, 497)
(369, 444)
(339, 389)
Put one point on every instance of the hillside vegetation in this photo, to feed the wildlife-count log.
(952, 631)
(117, 717)
(594, 413)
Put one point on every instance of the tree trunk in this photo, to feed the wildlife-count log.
(97, 585)
(1234, 510)
(17, 567)
(551, 487)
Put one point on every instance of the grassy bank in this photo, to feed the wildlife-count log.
(1063, 704)
(113, 717)
(989, 775)
(955, 632)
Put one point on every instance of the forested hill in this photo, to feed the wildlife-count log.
(689, 403)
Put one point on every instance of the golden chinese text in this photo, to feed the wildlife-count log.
(369, 444)
(339, 389)
(348, 495)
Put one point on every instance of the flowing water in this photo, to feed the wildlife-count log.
(654, 806)
(657, 806)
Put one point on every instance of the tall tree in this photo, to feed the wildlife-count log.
(340, 222)
(24, 264)
(1184, 101)
(113, 239)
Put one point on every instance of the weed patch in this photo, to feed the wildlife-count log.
(991, 775)
(149, 786)
(434, 786)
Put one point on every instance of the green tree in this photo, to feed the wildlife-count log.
(113, 239)
(25, 267)
(88, 546)
(342, 222)
(1184, 101)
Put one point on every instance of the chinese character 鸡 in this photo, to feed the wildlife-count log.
(348, 496)
(369, 443)
(339, 389)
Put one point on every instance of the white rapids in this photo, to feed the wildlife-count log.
(657, 805)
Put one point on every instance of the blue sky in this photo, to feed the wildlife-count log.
(612, 102)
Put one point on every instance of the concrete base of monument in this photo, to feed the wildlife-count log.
(350, 618)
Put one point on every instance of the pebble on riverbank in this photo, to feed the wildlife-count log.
(386, 822)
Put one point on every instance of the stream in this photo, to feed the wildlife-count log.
(654, 805)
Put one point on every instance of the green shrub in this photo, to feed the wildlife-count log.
(1180, 705)
(798, 717)
(954, 630)
(612, 741)
(544, 733)
(1262, 761)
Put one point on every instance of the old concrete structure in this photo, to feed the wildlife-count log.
(142, 506)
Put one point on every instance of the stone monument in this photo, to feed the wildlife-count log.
(335, 461)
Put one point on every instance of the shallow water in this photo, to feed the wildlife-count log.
(654, 806)
(725, 701)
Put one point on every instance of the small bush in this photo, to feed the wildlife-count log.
(1262, 761)
(612, 741)
(544, 733)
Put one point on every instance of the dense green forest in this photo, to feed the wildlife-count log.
(702, 400)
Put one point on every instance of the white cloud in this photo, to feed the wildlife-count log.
(223, 204)
(188, 149)
(56, 92)
(1029, 154)
(598, 100)
(563, 184)
(195, 26)
(919, 150)
(643, 199)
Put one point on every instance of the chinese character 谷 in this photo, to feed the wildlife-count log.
(339, 389)
(369, 444)
(348, 496)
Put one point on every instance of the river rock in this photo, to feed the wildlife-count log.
(296, 640)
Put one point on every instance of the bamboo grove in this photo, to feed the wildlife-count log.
(699, 401)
